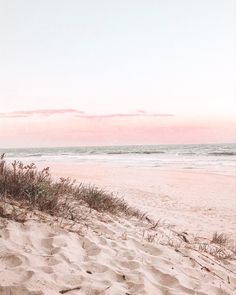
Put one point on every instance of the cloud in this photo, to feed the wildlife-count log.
(141, 111)
(45, 112)
(77, 113)
(120, 115)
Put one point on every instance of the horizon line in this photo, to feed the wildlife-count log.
(121, 145)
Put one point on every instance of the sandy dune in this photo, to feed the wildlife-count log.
(110, 256)
(177, 196)
(116, 256)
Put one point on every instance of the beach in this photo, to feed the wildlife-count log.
(174, 196)
(118, 148)
(170, 250)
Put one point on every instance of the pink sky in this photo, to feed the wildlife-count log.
(70, 127)
(117, 72)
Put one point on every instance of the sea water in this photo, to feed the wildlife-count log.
(218, 158)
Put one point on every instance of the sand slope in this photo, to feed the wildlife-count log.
(112, 256)
(178, 196)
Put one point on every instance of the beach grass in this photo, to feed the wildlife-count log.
(24, 189)
(37, 190)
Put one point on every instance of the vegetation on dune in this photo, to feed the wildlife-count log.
(25, 190)
(220, 239)
(36, 189)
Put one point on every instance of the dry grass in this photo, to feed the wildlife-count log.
(33, 188)
(102, 201)
(36, 190)
(24, 189)
(220, 239)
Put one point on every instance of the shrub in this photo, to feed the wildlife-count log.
(37, 190)
(25, 184)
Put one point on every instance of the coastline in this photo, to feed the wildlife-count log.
(171, 250)
(176, 196)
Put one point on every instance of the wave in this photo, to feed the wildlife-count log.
(187, 153)
(135, 152)
(222, 154)
(34, 155)
(178, 151)
(23, 155)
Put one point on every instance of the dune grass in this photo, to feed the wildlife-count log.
(220, 239)
(27, 189)
(36, 189)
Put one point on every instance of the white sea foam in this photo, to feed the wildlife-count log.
(220, 158)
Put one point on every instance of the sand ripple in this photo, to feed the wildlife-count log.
(36, 259)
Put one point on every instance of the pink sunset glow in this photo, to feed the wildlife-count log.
(71, 127)
(76, 73)
(117, 147)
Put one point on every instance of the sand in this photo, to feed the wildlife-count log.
(111, 255)
(207, 200)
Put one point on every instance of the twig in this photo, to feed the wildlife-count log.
(214, 261)
(202, 266)
(68, 290)
(155, 225)
(107, 288)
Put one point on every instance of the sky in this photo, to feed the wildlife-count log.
(107, 72)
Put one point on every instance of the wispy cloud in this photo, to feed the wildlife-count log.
(119, 115)
(44, 112)
(78, 113)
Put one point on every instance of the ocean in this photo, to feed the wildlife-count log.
(219, 158)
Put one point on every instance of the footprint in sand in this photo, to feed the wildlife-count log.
(102, 241)
(11, 260)
(147, 248)
(160, 276)
(135, 288)
(47, 269)
(47, 243)
(5, 234)
(167, 281)
(55, 250)
(26, 275)
(90, 247)
(131, 264)
(94, 267)
(52, 261)
(129, 255)
(10, 290)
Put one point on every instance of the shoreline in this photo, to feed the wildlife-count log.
(104, 252)
(173, 195)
